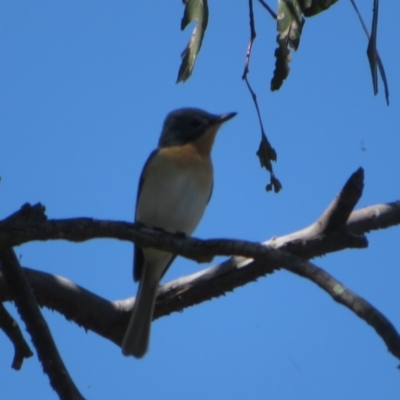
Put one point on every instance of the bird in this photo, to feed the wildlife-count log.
(174, 189)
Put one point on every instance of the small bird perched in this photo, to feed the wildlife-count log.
(174, 188)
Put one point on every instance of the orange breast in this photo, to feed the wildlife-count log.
(196, 153)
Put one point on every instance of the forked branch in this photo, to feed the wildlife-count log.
(338, 228)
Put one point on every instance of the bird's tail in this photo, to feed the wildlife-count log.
(137, 335)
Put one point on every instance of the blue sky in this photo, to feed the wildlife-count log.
(84, 89)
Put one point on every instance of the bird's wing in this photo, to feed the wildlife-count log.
(211, 191)
(138, 258)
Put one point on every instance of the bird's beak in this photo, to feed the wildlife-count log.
(225, 117)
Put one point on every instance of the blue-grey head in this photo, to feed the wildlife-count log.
(188, 124)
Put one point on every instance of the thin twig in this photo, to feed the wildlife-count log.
(378, 58)
(254, 98)
(364, 25)
(266, 153)
(253, 35)
(268, 8)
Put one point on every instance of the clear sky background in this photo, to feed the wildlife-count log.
(84, 89)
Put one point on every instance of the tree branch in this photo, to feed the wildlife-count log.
(37, 327)
(109, 319)
(379, 216)
(366, 311)
(10, 327)
(336, 229)
(76, 303)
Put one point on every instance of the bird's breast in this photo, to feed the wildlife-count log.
(176, 187)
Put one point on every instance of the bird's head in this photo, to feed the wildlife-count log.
(187, 125)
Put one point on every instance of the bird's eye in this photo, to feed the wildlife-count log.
(195, 123)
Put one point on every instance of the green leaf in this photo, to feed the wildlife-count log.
(195, 10)
(289, 24)
(314, 7)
